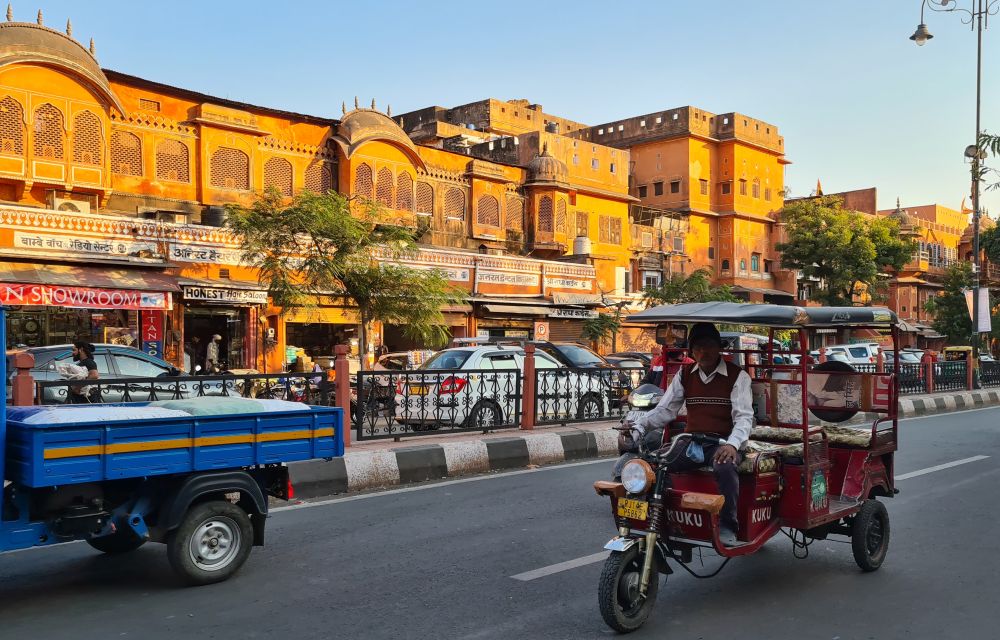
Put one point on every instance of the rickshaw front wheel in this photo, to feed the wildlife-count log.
(870, 535)
(622, 606)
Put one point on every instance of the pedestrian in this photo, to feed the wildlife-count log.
(83, 356)
(212, 354)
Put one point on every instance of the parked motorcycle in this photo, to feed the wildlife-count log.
(632, 443)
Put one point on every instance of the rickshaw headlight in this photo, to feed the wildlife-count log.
(641, 400)
(637, 476)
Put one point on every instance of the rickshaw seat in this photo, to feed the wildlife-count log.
(837, 436)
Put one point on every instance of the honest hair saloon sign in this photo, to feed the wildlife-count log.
(218, 295)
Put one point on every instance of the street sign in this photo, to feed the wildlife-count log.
(541, 331)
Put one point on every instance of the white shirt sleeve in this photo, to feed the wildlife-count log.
(666, 410)
(742, 399)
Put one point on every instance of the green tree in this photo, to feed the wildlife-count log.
(951, 312)
(694, 287)
(847, 252)
(989, 242)
(329, 246)
(604, 325)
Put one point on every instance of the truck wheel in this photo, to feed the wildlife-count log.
(870, 535)
(211, 543)
(622, 607)
(118, 542)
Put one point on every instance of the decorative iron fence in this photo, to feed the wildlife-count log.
(574, 394)
(950, 376)
(396, 404)
(989, 374)
(912, 378)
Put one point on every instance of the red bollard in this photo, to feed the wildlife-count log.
(342, 389)
(880, 362)
(929, 371)
(22, 392)
(822, 354)
(528, 388)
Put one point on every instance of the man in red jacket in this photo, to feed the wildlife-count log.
(720, 403)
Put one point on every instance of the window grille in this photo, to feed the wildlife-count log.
(515, 214)
(488, 211)
(425, 198)
(87, 138)
(229, 169)
(48, 132)
(172, 161)
(560, 216)
(363, 181)
(319, 177)
(383, 187)
(582, 224)
(404, 192)
(11, 127)
(545, 214)
(126, 153)
(454, 204)
(278, 174)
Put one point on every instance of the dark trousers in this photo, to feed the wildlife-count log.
(725, 475)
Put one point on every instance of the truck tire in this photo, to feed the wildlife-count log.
(211, 543)
(118, 542)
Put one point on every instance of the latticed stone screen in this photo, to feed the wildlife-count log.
(11, 126)
(488, 211)
(454, 203)
(404, 192)
(278, 174)
(48, 132)
(383, 187)
(515, 214)
(545, 214)
(172, 161)
(126, 153)
(582, 224)
(319, 177)
(425, 198)
(610, 230)
(86, 138)
(561, 215)
(364, 183)
(229, 169)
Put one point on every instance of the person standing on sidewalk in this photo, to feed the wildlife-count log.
(83, 356)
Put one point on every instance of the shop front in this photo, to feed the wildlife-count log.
(316, 330)
(509, 319)
(226, 313)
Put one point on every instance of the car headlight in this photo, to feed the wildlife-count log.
(637, 476)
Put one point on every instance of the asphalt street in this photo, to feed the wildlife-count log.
(437, 562)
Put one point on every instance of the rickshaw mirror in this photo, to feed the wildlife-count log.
(671, 334)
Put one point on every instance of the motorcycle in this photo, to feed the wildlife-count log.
(633, 443)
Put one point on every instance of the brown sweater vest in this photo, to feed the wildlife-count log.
(709, 406)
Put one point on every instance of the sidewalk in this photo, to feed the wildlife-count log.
(375, 464)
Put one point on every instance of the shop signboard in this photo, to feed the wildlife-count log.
(152, 333)
(568, 283)
(85, 246)
(508, 278)
(573, 314)
(205, 254)
(219, 295)
(575, 298)
(81, 297)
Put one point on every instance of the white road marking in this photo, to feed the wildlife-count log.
(947, 465)
(562, 566)
(598, 557)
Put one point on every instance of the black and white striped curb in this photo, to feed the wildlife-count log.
(361, 470)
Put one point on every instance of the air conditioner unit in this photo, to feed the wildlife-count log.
(73, 206)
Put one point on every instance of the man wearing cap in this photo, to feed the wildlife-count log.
(719, 401)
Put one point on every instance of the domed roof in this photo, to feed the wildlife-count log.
(37, 44)
(365, 125)
(985, 222)
(901, 216)
(547, 168)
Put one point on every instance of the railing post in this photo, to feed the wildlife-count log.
(528, 388)
(969, 371)
(929, 371)
(880, 362)
(822, 355)
(22, 391)
(342, 389)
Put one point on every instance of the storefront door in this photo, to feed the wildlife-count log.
(230, 324)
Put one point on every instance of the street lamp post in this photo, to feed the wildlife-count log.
(977, 17)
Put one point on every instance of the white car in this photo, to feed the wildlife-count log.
(858, 353)
(477, 387)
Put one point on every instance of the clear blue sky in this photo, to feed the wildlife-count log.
(858, 103)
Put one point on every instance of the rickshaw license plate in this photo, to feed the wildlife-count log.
(418, 389)
(634, 509)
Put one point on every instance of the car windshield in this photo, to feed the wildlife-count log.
(447, 360)
(580, 356)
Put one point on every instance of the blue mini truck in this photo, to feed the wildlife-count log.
(198, 484)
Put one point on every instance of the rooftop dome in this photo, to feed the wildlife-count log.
(359, 126)
(35, 43)
(901, 215)
(547, 168)
(985, 222)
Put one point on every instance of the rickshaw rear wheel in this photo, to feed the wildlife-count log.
(870, 535)
(622, 608)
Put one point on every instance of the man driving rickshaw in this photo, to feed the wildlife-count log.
(719, 403)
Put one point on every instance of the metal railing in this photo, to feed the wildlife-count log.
(989, 374)
(311, 388)
(912, 378)
(950, 376)
(574, 394)
(396, 404)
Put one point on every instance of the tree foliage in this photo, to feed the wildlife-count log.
(846, 251)
(694, 287)
(989, 242)
(601, 327)
(329, 246)
(951, 312)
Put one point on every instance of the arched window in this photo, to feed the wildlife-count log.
(364, 183)
(743, 264)
(48, 132)
(172, 161)
(560, 216)
(545, 214)
(454, 204)
(229, 169)
(278, 174)
(425, 199)
(404, 192)
(755, 262)
(319, 178)
(11, 127)
(383, 187)
(725, 265)
(87, 138)
(756, 188)
(515, 214)
(488, 211)
(126, 153)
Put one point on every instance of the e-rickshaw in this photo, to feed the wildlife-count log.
(801, 474)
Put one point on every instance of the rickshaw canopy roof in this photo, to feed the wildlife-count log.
(766, 314)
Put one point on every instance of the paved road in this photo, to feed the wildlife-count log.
(437, 563)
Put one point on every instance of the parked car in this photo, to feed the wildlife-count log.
(625, 362)
(908, 357)
(113, 361)
(858, 353)
(645, 358)
(440, 394)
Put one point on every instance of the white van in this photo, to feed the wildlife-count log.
(857, 353)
